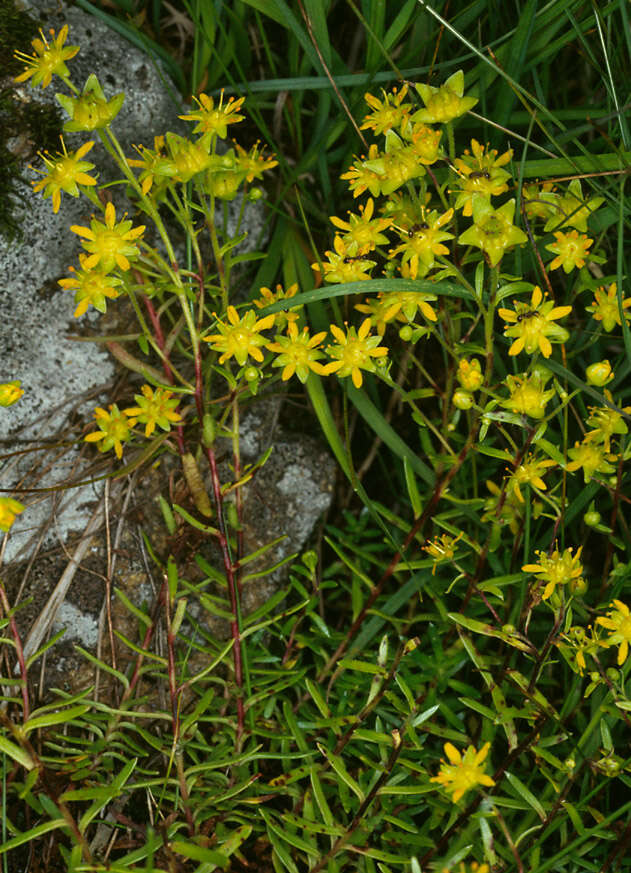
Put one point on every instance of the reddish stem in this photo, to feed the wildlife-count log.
(19, 650)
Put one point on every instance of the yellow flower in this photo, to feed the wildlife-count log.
(528, 395)
(539, 200)
(533, 324)
(9, 508)
(224, 176)
(362, 176)
(618, 620)
(394, 167)
(474, 867)
(189, 158)
(607, 308)
(572, 209)
(571, 250)
(213, 121)
(388, 113)
(557, 569)
(66, 173)
(114, 429)
(441, 548)
(445, 103)
(240, 337)
(606, 422)
(492, 230)
(591, 457)
(267, 298)
(407, 303)
(156, 165)
(91, 287)
(10, 392)
(255, 162)
(298, 353)
(48, 60)
(342, 266)
(425, 143)
(599, 373)
(424, 240)
(469, 374)
(463, 771)
(90, 111)
(354, 352)
(154, 407)
(529, 472)
(481, 174)
(581, 643)
(363, 232)
(110, 244)
(380, 310)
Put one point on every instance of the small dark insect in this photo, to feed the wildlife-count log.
(422, 225)
(523, 316)
(479, 174)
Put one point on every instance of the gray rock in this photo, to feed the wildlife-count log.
(35, 315)
(65, 377)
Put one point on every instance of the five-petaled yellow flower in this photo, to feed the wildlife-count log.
(363, 232)
(463, 771)
(606, 308)
(389, 113)
(114, 429)
(155, 407)
(91, 287)
(240, 337)
(48, 60)
(110, 244)
(298, 353)
(480, 173)
(591, 457)
(214, 121)
(424, 240)
(533, 324)
(618, 620)
(528, 395)
(65, 173)
(492, 230)
(571, 249)
(342, 266)
(530, 472)
(354, 352)
(445, 103)
(559, 568)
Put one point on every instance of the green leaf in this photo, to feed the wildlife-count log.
(33, 834)
(338, 765)
(527, 795)
(318, 699)
(63, 716)
(200, 853)
(16, 753)
(413, 493)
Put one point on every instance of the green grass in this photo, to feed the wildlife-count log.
(317, 750)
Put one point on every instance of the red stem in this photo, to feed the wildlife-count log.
(19, 651)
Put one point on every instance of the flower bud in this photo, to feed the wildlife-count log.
(599, 374)
(406, 333)
(592, 518)
(462, 399)
(251, 374)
